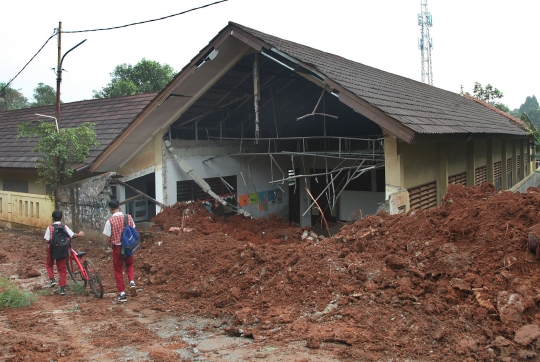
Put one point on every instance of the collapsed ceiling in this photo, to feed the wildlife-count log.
(227, 108)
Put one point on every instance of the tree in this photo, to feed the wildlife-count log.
(534, 132)
(487, 94)
(44, 95)
(58, 150)
(532, 110)
(11, 98)
(145, 77)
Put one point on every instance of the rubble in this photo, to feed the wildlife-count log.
(448, 283)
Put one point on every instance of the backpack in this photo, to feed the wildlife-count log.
(130, 238)
(60, 242)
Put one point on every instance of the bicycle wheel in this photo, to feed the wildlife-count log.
(75, 272)
(93, 279)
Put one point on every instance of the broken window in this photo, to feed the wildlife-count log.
(225, 187)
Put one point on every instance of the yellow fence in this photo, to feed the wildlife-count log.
(25, 209)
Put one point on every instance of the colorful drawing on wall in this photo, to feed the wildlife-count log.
(263, 200)
(272, 195)
(253, 199)
(243, 200)
(279, 196)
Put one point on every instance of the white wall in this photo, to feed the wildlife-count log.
(253, 175)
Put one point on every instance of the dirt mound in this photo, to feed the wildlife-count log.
(449, 283)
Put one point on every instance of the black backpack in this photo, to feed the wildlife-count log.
(60, 242)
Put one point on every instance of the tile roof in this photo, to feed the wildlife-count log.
(423, 108)
(110, 116)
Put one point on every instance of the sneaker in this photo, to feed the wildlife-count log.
(122, 298)
(52, 283)
(132, 289)
(62, 290)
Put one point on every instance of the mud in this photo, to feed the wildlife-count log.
(453, 283)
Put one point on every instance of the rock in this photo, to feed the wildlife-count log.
(395, 262)
(370, 285)
(439, 333)
(194, 290)
(500, 342)
(313, 342)
(235, 292)
(460, 284)
(526, 334)
(510, 306)
(175, 230)
(304, 235)
(525, 355)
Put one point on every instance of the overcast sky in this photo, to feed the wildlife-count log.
(489, 41)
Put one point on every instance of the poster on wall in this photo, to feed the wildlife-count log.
(253, 199)
(263, 200)
(272, 196)
(243, 200)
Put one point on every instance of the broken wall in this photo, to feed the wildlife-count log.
(85, 205)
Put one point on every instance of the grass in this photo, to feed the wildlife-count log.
(12, 297)
(76, 308)
(77, 289)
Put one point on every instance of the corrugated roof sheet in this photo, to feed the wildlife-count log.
(423, 108)
(110, 115)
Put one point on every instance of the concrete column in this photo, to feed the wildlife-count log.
(470, 163)
(504, 157)
(514, 161)
(393, 166)
(489, 161)
(442, 181)
(158, 179)
(521, 150)
(305, 199)
(531, 163)
(121, 196)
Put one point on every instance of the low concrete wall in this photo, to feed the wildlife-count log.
(85, 205)
(533, 180)
(25, 210)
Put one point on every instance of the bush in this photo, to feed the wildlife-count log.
(12, 297)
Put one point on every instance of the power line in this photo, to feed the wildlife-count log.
(12, 79)
(115, 27)
(146, 21)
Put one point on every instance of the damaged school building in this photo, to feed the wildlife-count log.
(259, 125)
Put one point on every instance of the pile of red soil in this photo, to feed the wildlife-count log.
(451, 283)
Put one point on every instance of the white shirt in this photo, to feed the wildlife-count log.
(48, 233)
(107, 230)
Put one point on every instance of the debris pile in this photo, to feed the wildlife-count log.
(452, 283)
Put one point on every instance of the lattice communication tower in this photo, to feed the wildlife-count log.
(425, 43)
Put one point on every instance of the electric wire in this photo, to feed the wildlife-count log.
(115, 27)
(16, 75)
(146, 21)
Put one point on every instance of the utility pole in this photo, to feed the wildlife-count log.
(59, 68)
(59, 71)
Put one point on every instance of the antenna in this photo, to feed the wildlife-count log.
(425, 43)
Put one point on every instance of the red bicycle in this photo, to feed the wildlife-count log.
(83, 272)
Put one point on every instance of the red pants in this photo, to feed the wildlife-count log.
(60, 265)
(118, 264)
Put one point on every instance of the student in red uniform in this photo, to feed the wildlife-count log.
(113, 229)
(60, 263)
